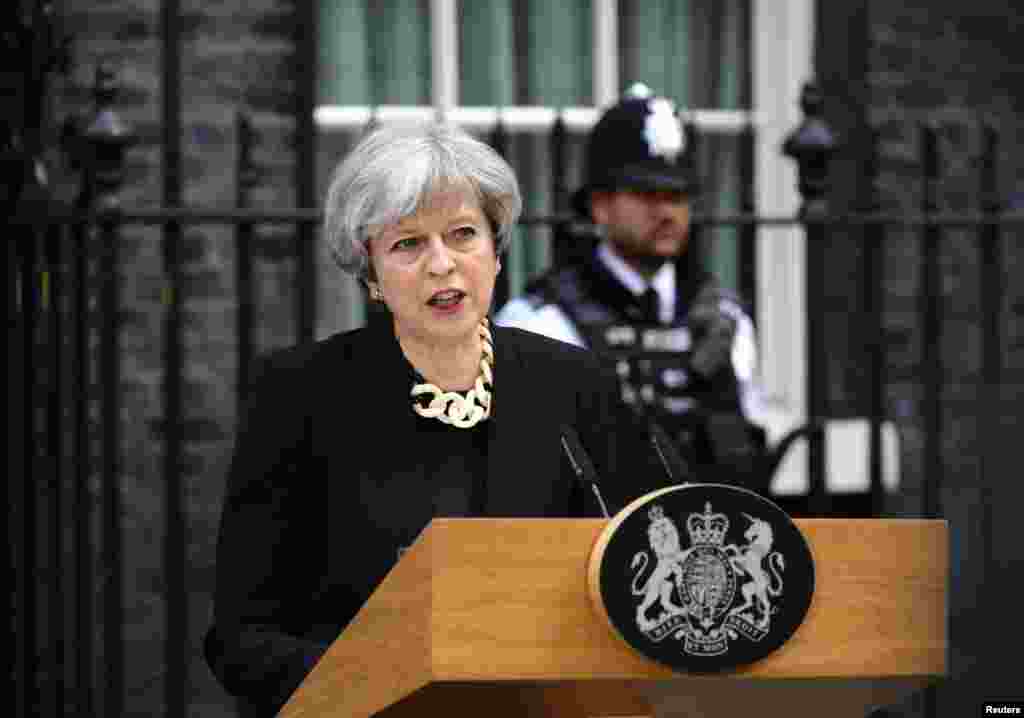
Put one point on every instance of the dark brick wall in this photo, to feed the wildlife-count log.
(956, 67)
(235, 56)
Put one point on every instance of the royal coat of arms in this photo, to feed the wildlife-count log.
(710, 592)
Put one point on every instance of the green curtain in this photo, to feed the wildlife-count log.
(533, 52)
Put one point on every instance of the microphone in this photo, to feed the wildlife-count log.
(669, 455)
(581, 464)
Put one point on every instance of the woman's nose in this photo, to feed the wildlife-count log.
(439, 261)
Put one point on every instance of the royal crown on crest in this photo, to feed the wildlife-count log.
(707, 528)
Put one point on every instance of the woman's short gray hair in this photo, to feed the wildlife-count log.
(392, 172)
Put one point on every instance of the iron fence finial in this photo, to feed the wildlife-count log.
(98, 141)
(811, 146)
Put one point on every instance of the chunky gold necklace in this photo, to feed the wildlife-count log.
(451, 407)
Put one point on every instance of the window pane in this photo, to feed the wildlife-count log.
(694, 51)
(556, 54)
(399, 51)
(655, 46)
(344, 76)
(487, 52)
(374, 52)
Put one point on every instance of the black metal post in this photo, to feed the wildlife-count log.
(931, 297)
(811, 145)
(83, 463)
(694, 250)
(930, 350)
(97, 144)
(244, 181)
(991, 407)
(499, 141)
(305, 165)
(27, 598)
(113, 561)
(31, 47)
(562, 250)
(102, 146)
(872, 290)
(52, 296)
(748, 230)
(175, 597)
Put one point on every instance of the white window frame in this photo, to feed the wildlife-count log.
(782, 40)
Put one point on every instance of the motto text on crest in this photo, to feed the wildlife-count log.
(709, 593)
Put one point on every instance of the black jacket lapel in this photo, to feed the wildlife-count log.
(522, 454)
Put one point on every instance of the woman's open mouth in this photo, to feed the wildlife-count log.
(448, 300)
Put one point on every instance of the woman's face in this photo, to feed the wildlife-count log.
(436, 269)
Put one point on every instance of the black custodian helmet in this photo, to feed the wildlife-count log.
(638, 143)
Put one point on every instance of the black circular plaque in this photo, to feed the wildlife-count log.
(703, 577)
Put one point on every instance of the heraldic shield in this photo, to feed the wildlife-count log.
(702, 577)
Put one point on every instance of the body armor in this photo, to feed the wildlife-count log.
(679, 375)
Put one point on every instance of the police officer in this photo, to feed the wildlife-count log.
(682, 345)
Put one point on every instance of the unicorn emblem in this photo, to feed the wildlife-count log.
(748, 561)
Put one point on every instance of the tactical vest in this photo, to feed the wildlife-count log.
(652, 360)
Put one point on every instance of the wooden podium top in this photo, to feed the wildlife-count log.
(485, 607)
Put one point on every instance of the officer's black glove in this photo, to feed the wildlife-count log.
(713, 325)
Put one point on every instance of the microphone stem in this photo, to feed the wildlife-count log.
(661, 457)
(600, 501)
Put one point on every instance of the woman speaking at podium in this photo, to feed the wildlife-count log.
(348, 447)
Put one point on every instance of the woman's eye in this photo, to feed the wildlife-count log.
(405, 243)
(464, 233)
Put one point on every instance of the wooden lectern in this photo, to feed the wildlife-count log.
(492, 618)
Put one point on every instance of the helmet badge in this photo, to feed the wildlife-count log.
(662, 130)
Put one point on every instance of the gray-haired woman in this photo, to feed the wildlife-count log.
(348, 447)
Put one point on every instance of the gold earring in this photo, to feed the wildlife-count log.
(375, 293)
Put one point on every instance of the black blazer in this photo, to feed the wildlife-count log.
(321, 493)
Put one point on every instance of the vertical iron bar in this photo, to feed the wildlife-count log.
(176, 629)
(931, 361)
(694, 251)
(305, 280)
(931, 326)
(53, 363)
(174, 540)
(562, 249)
(83, 473)
(872, 289)
(817, 356)
(243, 259)
(27, 586)
(748, 230)
(110, 377)
(175, 638)
(990, 409)
(811, 145)
(305, 165)
(499, 141)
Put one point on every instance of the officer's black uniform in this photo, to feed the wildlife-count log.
(679, 374)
